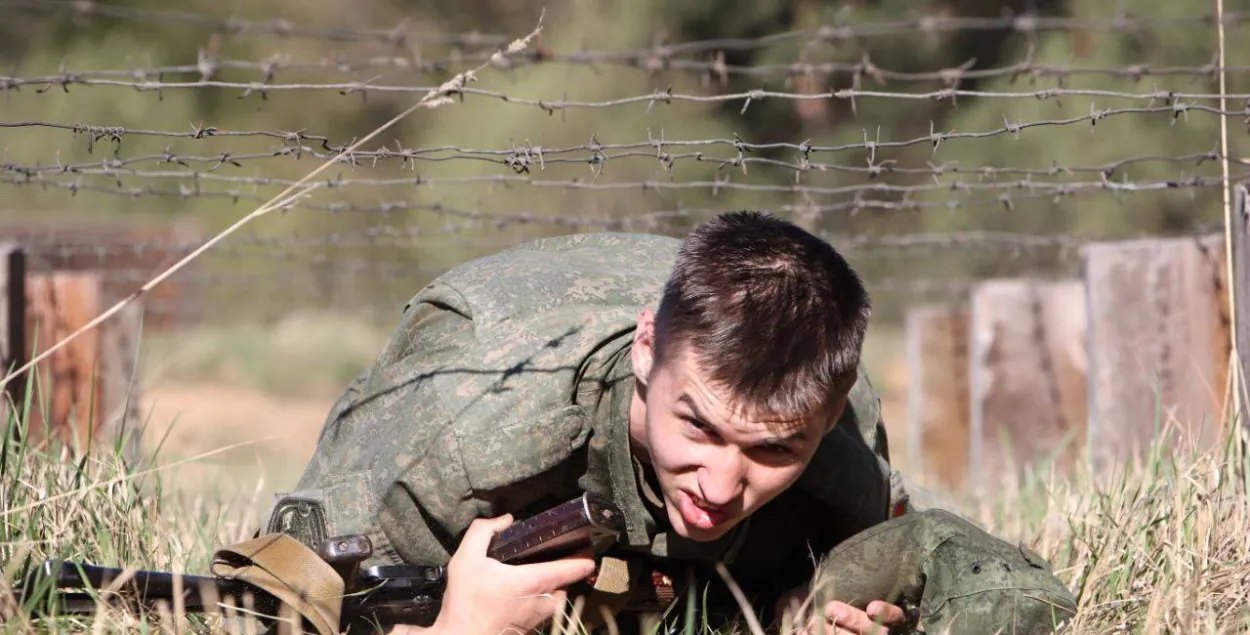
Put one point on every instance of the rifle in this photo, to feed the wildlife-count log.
(382, 594)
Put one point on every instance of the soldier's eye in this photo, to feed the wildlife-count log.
(699, 428)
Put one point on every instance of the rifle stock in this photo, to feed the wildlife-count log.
(383, 594)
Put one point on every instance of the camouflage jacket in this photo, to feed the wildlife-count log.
(505, 389)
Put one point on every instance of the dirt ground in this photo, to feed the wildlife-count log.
(258, 442)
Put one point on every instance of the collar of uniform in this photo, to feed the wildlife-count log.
(610, 469)
(665, 542)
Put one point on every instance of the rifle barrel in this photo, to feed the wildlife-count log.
(69, 581)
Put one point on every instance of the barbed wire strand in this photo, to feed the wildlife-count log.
(840, 30)
(1008, 199)
(520, 158)
(118, 168)
(1028, 183)
(653, 61)
(665, 96)
(433, 99)
(115, 135)
(412, 235)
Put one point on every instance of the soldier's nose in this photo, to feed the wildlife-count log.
(721, 483)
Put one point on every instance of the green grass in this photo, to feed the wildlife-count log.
(1156, 547)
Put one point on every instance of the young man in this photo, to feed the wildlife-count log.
(710, 387)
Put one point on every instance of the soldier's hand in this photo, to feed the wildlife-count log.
(840, 618)
(844, 619)
(487, 597)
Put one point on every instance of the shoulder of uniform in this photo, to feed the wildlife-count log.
(560, 282)
(863, 408)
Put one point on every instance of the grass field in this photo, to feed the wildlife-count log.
(1160, 547)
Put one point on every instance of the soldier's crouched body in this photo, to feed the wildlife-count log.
(711, 388)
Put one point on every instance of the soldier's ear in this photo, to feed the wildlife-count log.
(836, 410)
(643, 351)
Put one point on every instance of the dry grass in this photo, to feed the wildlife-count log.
(1157, 547)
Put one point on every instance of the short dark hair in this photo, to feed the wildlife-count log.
(774, 314)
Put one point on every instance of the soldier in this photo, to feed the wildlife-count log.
(712, 388)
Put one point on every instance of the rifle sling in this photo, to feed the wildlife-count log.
(291, 572)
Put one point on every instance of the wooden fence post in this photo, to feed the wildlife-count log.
(1028, 374)
(1239, 235)
(13, 323)
(84, 391)
(58, 304)
(1159, 343)
(937, 392)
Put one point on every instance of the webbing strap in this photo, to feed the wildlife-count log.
(291, 572)
(610, 592)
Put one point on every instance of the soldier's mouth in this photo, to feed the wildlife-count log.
(699, 515)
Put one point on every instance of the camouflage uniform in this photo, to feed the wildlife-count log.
(505, 388)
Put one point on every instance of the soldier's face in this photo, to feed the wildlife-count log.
(715, 463)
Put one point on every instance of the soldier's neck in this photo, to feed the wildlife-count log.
(638, 424)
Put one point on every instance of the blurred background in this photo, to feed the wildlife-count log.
(135, 131)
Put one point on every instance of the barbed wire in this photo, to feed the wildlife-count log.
(651, 60)
(186, 306)
(839, 31)
(119, 167)
(219, 161)
(1045, 188)
(1174, 99)
(394, 273)
(522, 157)
(409, 235)
(383, 281)
(1005, 195)
(197, 281)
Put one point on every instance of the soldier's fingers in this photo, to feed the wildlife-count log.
(557, 574)
(886, 613)
(478, 536)
(852, 619)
